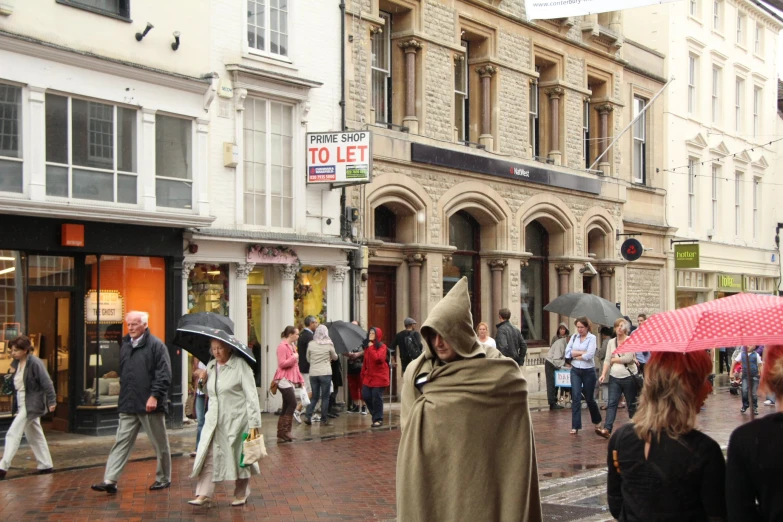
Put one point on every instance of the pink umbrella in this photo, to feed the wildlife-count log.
(739, 320)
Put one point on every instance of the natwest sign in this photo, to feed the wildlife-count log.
(339, 157)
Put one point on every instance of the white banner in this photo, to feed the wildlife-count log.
(546, 9)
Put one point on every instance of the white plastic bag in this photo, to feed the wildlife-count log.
(303, 396)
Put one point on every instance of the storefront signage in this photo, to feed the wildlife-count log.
(339, 157)
(730, 282)
(631, 249)
(111, 306)
(686, 256)
(548, 9)
(266, 255)
(430, 155)
(72, 235)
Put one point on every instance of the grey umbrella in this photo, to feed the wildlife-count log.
(595, 308)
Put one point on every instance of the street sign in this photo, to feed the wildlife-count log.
(563, 378)
(632, 249)
(339, 157)
(686, 255)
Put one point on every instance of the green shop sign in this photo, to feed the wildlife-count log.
(686, 255)
(730, 282)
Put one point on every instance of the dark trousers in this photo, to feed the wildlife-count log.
(373, 398)
(551, 391)
(583, 382)
(617, 387)
(201, 413)
(754, 391)
(320, 386)
(724, 361)
(289, 400)
(333, 398)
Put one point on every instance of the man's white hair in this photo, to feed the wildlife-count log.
(144, 316)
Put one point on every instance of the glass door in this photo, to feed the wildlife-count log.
(264, 350)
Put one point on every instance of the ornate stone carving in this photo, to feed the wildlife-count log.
(339, 273)
(187, 267)
(458, 59)
(515, 236)
(288, 272)
(446, 259)
(486, 70)
(372, 252)
(514, 276)
(604, 108)
(240, 95)
(564, 269)
(375, 29)
(415, 259)
(554, 92)
(244, 269)
(410, 46)
(497, 264)
(606, 271)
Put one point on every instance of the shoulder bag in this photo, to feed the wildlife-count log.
(8, 384)
(638, 379)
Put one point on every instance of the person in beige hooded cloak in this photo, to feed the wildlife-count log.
(466, 449)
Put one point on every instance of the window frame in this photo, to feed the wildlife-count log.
(716, 15)
(534, 122)
(756, 111)
(692, 192)
(758, 44)
(70, 166)
(20, 136)
(739, 90)
(639, 142)
(190, 180)
(692, 69)
(123, 14)
(715, 175)
(715, 109)
(387, 85)
(267, 53)
(740, 40)
(463, 134)
(586, 132)
(756, 201)
(737, 203)
(693, 8)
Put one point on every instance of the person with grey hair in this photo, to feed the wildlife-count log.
(145, 377)
(621, 369)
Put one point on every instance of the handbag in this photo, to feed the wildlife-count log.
(8, 384)
(190, 406)
(273, 388)
(638, 379)
(253, 448)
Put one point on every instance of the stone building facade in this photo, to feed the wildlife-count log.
(484, 127)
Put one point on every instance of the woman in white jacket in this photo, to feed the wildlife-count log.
(621, 369)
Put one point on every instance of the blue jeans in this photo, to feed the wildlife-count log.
(754, 392)
(373, 398)
(320, 386)
(201, 413)
(583, 383)
(618, 387)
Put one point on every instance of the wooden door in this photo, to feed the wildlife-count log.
(381, 304)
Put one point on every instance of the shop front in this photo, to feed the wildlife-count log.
(68, 285)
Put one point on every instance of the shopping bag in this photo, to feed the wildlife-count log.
(303, 396)
(253, 448)
(190, 406)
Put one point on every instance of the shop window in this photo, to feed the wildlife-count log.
(173, 162)
(118, 8)
(465, 235)
(268, 163)
(12, 308)
(51, 271)
(208, 289)
(96, 160)
(385, 224)
(267, 26)
(381, 71)
(310, 294)
(534, 293)
(114, 286)
(10, 138)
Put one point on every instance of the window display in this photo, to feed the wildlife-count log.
(310, 294)
(208, 289)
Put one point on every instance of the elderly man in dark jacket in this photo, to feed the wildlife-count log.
(145, 377)
(509, 339)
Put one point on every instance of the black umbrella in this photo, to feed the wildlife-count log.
(577, 304)
(221, 322)
(345, 336)
(196, 339)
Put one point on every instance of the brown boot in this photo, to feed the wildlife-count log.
(281, 429)
(289, 421)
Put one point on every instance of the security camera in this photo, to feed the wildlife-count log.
(589, 269)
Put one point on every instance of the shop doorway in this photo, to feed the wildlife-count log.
(381, 309)
(534, 286)
(258, 339)
(50, 329)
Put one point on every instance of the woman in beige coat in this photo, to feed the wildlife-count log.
(233, 410)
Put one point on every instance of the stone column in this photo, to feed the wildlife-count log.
(496, 267)
(187, 267)
(563, 275)
(287, 276)
(604, 112)
(409, 119)
(37, 159)
(606, 274)
(486, 72)
(414, 284)
(337, 310)
(554, 94)
(240, 301)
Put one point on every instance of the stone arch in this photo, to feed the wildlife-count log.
(406, 199)
(485, 205)
(555, 216)
(599, 233)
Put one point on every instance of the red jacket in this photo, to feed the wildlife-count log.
(375, 370)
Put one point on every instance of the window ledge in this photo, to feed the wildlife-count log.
(694, 19)
(740, 46)
(95, 10)
(264, 57)
(694, 119)
(718, 34)
(758, 57)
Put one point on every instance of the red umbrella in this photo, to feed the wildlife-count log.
(739, 320)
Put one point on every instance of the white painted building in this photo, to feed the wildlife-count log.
(720, 118)
(279, 73)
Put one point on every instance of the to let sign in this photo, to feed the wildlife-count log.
(686, 256)
(339, 157)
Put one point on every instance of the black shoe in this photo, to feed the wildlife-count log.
(306, 419)
(2, 474)
(159, 485)
(45, 471)
(556, 407)
(325, 422)
(332, 415)
(105, 488)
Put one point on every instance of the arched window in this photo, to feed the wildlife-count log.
(465, 234)
(385, 224)
(534, 287)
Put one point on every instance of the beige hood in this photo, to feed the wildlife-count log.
(451, 318)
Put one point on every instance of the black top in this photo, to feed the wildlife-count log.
(682, 479)
(305, 336)
(754, 471)
(145, 371)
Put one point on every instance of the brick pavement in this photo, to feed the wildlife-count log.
(345, 478)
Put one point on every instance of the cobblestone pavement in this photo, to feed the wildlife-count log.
(349, 477)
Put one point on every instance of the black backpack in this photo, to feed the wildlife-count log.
(413, 346)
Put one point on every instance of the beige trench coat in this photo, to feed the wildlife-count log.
(233, 409)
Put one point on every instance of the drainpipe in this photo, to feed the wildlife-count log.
(344, 231)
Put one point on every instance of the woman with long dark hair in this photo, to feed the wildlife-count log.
(581, 351)
(288, 378)
(375, 374)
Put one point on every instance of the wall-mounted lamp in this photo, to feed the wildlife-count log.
(175, 45)
(140, 36)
